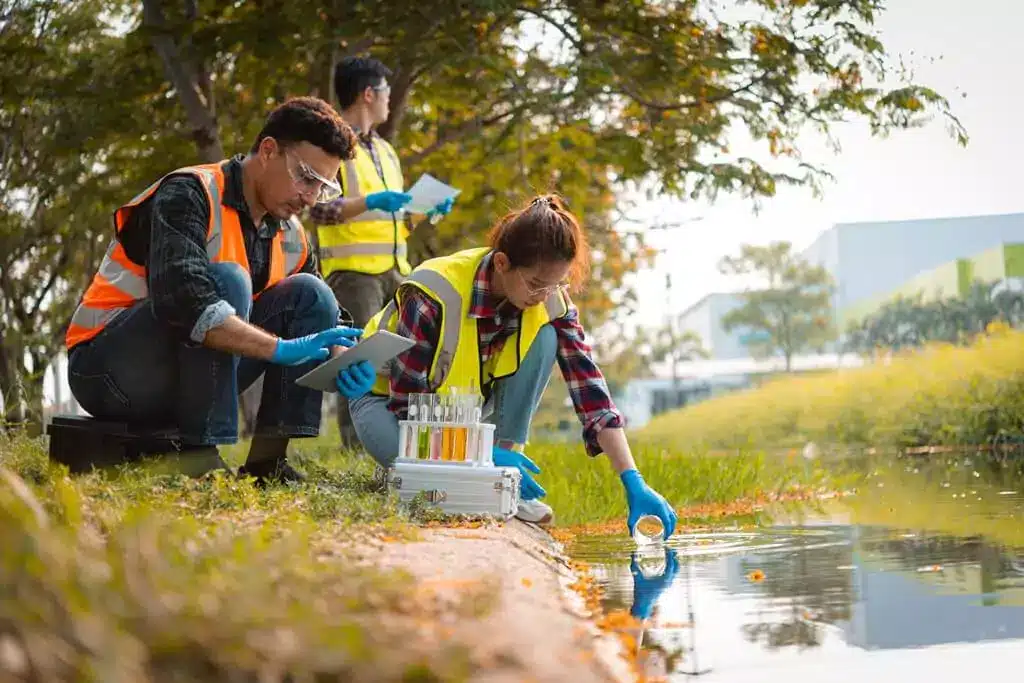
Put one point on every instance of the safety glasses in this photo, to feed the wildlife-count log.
(307, 181)
(546, 290)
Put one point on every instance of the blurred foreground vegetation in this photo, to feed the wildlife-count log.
(127, 578)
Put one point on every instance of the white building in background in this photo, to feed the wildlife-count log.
(643, 398)
(866, 260)
(870, 259)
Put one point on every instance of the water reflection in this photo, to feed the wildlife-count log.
(729, 604)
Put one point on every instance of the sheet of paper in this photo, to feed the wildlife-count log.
(427, 193)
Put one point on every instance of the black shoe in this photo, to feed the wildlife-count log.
(272, 472)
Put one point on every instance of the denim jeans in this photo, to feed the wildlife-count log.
(362, 296)
(137, 371)
(513, 403)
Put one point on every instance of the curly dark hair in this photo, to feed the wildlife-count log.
(312, 120)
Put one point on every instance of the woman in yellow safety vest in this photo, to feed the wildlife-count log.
(499, 318)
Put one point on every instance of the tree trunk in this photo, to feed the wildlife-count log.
(9, 389)
(188, 80)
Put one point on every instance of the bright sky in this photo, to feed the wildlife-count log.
(912, 174)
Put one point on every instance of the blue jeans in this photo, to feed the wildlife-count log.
(513, 403)
(136, 370)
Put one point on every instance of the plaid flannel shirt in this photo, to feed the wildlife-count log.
(497, 320)
(167, 235)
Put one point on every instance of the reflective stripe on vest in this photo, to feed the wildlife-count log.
(366, 249)
(119, 283)
(438, 287)
(374, 241)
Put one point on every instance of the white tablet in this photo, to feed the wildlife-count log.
(378, 349)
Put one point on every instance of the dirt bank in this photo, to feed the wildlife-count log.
(534, 628)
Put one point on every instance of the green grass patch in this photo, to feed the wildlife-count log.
(583, 490)
(942, 394)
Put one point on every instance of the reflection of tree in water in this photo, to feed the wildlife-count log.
(787, 633)
(809, 588)
(951, 555)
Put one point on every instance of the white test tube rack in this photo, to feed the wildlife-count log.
(462, 443)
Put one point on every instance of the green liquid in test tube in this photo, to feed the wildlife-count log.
(423, 438)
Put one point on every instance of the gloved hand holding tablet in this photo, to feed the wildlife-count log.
(377, 349)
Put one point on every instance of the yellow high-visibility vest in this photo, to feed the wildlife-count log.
(448, 280)
(374, 241)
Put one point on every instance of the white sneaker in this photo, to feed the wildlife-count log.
(535, 511)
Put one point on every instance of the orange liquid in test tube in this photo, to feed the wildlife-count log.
(460, 431)
(447, 433)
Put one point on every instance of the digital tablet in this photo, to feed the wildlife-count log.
(378, 349)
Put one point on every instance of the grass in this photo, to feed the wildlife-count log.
(941, 395)
(131, 577)
(587, 491)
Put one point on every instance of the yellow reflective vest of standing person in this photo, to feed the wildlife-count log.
(448, 280)
(374, 241)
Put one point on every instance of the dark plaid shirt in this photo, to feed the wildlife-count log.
(167, 235)
(497, 320)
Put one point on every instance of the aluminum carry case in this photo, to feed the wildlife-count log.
(447, 454)
(458, 489)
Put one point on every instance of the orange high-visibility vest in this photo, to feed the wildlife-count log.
(120, 284)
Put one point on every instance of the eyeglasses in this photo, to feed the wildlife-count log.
(307, 181)
(546, 290)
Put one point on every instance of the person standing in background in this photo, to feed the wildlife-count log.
(362, 234)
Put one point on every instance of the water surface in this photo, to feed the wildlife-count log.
(836, 598)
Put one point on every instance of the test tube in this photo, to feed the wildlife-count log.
(462, 426)
(473, 445)
(436, 428)
(425, 402)
(448, 433)
(403, 433)
(411, 449)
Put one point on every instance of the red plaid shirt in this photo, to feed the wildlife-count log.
(497, 320)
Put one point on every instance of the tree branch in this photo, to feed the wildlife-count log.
(185, 79)
(465, 128)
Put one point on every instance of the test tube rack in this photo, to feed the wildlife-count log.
(447, 430)
(467, 444)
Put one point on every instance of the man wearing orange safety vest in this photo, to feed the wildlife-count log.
(208, 283)
(362, 235)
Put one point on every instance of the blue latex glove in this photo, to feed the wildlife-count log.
(646, 591)
(313, 346)
(442, 209)
(355, 380)
(643, 500)
(528, 488)
(387, 200)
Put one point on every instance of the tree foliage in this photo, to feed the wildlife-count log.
(793, 310)
(913, 321)
(502, 99)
